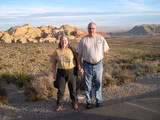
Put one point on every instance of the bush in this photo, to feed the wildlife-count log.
(109, 81)
(22, 78)
(41, 88)
(125, 76)
(7, 77)
(124, 70)
(3, 96)
(118, 74)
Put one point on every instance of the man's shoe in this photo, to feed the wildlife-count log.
(59, 108)
(75, 106)
(98, 105)
(88, 105)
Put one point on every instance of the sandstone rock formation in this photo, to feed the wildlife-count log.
(28, 33)
(5, 37)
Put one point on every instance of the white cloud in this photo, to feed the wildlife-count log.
(50, 15)
(12, 11)
(141, 0)
(137, 5)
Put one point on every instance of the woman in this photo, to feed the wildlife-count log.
(63, 71)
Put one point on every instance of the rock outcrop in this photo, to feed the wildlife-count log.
(5, 37)
(28, 33)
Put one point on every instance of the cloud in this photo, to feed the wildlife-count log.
(89, 14)
(137, 5)
(77, 18)
(15, 11)
(115, 12)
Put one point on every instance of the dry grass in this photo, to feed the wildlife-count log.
(132, 56)
(30, 58)
(129, 57)
(19, 61)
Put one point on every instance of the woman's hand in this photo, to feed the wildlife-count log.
(54, 76)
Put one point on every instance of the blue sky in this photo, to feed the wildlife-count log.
(106, 13)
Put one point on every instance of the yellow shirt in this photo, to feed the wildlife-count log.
(64, 58)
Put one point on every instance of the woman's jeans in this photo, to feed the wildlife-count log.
(63, 77)
(93, 77)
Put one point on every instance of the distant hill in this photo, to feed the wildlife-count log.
(145, 29)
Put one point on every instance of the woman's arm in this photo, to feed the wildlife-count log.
(80, 68)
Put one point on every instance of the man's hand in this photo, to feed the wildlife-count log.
(81, 71)
(106, 53)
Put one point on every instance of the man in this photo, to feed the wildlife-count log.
(91, 49)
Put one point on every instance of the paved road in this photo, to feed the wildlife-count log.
(146, 108)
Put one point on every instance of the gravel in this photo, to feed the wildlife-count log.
(19, 109)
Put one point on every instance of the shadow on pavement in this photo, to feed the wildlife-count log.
(88, 116)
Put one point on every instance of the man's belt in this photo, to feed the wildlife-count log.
(91, 63)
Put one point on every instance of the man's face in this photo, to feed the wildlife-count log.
(92, 29)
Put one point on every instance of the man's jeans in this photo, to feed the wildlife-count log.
(93, 77)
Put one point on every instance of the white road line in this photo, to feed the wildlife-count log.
(142, 107)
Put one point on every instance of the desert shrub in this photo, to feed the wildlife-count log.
(109, 81)
(31, 94)
(138, 66)
(32, 59)
(23, 78)
(7, 77)
(151, 67)
(118, 73)
(141, 67)
(3, 96)
(158, 68)
(41, 88)
(148, 57)
(38, 52)
(124, 61)
(125, 76)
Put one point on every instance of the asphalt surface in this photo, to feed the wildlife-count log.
(144, 108)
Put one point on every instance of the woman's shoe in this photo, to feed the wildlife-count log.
(59, 108)
(75, 106)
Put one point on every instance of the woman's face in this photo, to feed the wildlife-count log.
(64, 42)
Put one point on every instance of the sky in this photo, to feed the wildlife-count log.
(78, 13)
